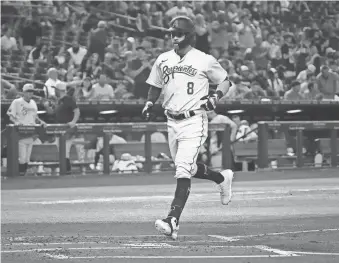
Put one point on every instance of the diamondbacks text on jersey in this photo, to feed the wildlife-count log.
(185, 80)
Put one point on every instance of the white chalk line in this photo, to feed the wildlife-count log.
(127, 246)
(23, 238)
(274, 234)
(277, 251)
(315, 253)
(177, 257)
(156, 198)
(56, 256)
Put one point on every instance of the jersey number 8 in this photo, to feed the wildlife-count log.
(190, 86)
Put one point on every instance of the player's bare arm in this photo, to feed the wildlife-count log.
(39, 121)
(75, 118)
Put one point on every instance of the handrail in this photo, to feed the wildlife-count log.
(127, 17)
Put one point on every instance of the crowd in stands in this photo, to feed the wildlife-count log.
(105, 49)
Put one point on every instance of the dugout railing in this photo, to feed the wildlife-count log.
(101, 130)
(325, 132)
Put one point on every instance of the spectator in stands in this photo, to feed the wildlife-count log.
(273, 47)
(219, 33)
(246, 76)
(30, 34)
(74, 23)
(179, 10)
(309, 88)
(50, 84)
(246, 32)
(238, 90)
(102, 90)
(85, 91)
(259, 54)
(139, 69)
(8, 90)
(113, 47)
(256, 92)
(129, 46)
(314, 59)
(77, 54)
(288, 52)
(275, 83)
(327, 83)
(304, 74)
(202, 34)
(157, 15)
(99, 40)
(91, 67)
(294, 92)
(8, 42)
(37, 54)
(61, 14)
(233, 14)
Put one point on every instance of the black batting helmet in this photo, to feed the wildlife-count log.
(183, 25)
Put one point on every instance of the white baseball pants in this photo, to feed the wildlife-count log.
(185, 138)
(68, 143)
(25, 150)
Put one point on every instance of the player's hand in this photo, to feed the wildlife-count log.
(211, 101)
(43, 124)
(147, 110)
(71, 124)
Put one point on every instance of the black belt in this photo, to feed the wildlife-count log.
(181, 116)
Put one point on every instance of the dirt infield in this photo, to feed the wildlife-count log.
(285, 220)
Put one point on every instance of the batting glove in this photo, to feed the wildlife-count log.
(147, 110)
(212, 100)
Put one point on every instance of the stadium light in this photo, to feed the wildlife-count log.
(41, 111)
(235, 111)
(294, 111)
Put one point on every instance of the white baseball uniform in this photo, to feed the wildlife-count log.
(184, 81)
(25, 113)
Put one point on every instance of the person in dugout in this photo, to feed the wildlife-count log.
(67, 112)
(24, 111)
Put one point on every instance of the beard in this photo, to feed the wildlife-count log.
(75, 49)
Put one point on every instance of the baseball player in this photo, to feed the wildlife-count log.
(24, 111)
(183, 75)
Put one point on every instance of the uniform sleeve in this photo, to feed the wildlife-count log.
(215, 71)
(13, 109)
(155, 77)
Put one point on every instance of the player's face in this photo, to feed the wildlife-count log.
(177, 37)
(28, 95)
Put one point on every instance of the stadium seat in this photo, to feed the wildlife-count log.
(325, 146)
(48, 154)
(138, 148)
(245, 152)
